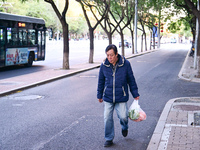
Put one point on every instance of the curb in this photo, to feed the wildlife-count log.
(157, 134)
(180, 75)
(142, 53)
(47, 80)
(191, 78)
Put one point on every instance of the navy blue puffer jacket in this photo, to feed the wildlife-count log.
(113, 84)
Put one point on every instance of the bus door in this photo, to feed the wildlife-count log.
(2, 46)
(41, 43)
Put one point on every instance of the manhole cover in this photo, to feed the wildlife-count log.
(187, 107)
(25, 97)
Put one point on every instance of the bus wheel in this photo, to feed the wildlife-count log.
(30, 60)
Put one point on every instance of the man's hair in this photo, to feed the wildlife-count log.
(111, 46)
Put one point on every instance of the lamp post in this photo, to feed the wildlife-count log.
(159, 28)
(135, 31)
(197, 32)
(57, 23)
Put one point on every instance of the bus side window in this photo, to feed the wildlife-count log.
(2, 37)
(9, 37)
(20, 37)
(43, 37)
(24, 37)
(14, 36)
(39, 37)
(31, 37)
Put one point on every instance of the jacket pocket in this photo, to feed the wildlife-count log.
(124, 91)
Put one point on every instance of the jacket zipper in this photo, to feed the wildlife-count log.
(114, 70)
(124, 91)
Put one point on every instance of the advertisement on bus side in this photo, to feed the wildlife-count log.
(15, 56)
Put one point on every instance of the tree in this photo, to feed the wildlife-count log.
(189, 19)
(196, 12)
(143, 18)
(65, 30)
(91, 5)
(132, 23)
(106, 25)
(153, 30)
(122, 16)
(148, 19)
(143, 33)
(191, 8)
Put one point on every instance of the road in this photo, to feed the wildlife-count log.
(66, 115)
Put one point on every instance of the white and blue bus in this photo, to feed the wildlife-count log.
(22, 40)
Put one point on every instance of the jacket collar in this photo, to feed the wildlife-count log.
(121, 60)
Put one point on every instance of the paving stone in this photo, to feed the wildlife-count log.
(176, 117)
(184, 138)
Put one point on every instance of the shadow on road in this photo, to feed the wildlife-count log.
(13, 71)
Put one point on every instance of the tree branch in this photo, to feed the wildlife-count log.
(193, 8)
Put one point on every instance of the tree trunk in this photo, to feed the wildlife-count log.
(109, 37)
(150, 39)
(198, 52)
(65, 47)
(142, 43)
(122, 40)
(154, 43)
(145, 40)
(65, 31)
(132, 38)
(91, 30)
(198, 67)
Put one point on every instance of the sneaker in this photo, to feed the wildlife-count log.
(124, 133)
(108, 143)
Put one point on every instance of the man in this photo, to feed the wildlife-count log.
(115, 76)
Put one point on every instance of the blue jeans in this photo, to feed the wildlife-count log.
(122, 113)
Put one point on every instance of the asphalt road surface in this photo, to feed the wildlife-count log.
(65, 114)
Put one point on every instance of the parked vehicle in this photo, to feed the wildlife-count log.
(156, 43)
(173, 40)
(126, 44)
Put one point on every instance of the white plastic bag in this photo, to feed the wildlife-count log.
(136, 113)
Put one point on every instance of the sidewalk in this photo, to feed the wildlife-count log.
(178, 127)
(187, 71)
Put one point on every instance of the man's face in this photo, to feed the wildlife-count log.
(112, 57)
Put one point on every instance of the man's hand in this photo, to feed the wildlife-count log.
(100, 100)
(137, 98)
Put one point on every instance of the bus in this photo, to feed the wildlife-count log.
(22, 40)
